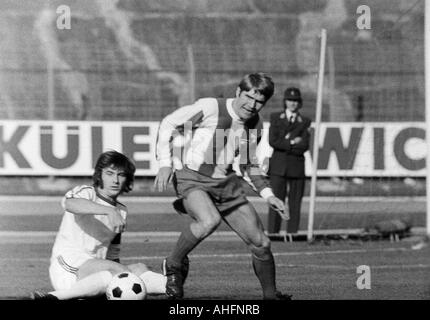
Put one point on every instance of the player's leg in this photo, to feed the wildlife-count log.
(206, 219)
(295, 195)
(155, 283)
(279, 186)
(246, 223)
(93, 277)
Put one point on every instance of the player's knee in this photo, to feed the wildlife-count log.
(265, 242)
(210, 224)
(260, 240)
(262, 252)
(138, 268)
(117, 268)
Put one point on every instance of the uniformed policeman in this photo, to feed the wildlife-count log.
(289, 138)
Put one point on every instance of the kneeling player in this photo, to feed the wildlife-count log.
(85, 255)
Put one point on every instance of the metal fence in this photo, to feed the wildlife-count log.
(365, 81)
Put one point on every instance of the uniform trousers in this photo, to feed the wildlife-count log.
(296, 188)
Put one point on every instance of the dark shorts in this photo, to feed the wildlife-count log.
(226, 194)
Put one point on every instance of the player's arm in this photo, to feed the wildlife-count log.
(249, 165)
(186, 117)
(260, 183)
(302, 144)
(277, 135)
(163, 150)
(80, 206)
(256, 178)
(178, 118)
(80, 201)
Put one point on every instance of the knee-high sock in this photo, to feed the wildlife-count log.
(186, 243)
(264, 268)
(90, 286)
(155, 283)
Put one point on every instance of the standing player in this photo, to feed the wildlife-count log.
(85, 255)
(207, 187)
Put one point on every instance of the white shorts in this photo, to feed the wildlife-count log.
(63, 270)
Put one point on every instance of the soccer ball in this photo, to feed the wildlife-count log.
(126, 286)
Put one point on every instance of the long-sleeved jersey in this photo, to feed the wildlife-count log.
(214, 136)
(89, 234)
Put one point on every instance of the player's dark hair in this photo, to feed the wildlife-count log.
(118, 161)
(259, 81)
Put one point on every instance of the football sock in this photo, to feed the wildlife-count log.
(264, 268)
(155, 283)
(186, 242)
(91, 286)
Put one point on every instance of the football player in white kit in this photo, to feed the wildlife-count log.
(85, 255)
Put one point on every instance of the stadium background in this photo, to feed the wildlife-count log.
(138, 60)
(128, 60)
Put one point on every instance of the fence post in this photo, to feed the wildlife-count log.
(51, 89)
(192, 73)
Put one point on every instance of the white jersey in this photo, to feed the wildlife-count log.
(87, 235)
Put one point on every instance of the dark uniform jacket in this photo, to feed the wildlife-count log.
(287, 159)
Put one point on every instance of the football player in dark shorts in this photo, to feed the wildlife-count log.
(208, 189)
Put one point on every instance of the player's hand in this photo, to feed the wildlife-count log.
(265, 165)
(219, 173)
(278, 206)
(297, 140)
(163, 178)
(116, 220)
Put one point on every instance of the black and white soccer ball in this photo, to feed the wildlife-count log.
(126, 286)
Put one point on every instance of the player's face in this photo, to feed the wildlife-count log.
(248, 103)
(292, 105)
(113, 181)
